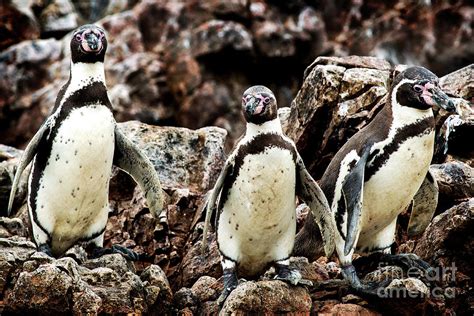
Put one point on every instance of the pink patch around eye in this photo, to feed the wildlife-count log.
(429, 85)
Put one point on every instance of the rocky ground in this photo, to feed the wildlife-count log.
(337, 98)
(186, 63)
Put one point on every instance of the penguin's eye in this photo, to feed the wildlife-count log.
(266, 100)
(417, 88)
(78, 37)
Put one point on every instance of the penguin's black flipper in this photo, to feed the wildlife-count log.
(26, 158)
(310, 192)
(424, 206)
(352, 192)
(131, 159)
(211, 203)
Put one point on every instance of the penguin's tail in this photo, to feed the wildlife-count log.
(308, 241)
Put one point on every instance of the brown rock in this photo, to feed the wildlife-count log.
(455, 180)
(157, 287)
(44, 289)
(331, 106)
(183, 158)
(207, 288)
(346, 309)
(215, 35)
(195, 264)
(448, 239)
(459, 83)
(267, 297)
(59, 16)
(18, 24)
(350, 62)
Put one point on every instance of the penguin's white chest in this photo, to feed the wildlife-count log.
(390, 190)
(257, 224)
(72, 198)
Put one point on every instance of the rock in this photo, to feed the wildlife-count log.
(401, 288)
(455, 180)
(267, 297)
(59, 16)
(43, 290)
(207, 288)
(34, 282)
(183, 158)
(195, 264)
(115, 262)
(18, 23)
(345, 309)
(332, 105)
(185, 297)
(227, 7)
(215, 35)
(10, 227)
(314, 271)
(459, 83)
(26, 68)
(447, 239)
(273, 40)
(157, 287)
(350, 62)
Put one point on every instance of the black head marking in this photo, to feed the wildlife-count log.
(259, 105)
(88, 44)
(421, 90)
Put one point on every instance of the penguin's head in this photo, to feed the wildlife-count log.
(88, 44)
(417, 87)
(259, 105)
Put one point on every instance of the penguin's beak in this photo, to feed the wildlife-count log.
(253, 106)
(92, 43)
(434, 96)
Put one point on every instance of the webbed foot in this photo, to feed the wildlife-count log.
(368, 289)
(291, 276)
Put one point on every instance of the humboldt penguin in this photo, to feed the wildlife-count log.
(72, 156)
(377, 174)
(254, 198)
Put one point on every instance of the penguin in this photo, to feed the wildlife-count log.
(254, 198)
(377, 173)
(72, 155)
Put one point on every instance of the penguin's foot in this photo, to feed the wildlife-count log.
(290, 276)
(45, 248)
(127, 253)
(368, 289)
(406, 261)
(230, 283)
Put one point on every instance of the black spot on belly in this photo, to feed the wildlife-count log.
(237, 227)
(250, 239)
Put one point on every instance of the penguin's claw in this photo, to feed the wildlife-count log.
(125, 252)
(291, 276)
